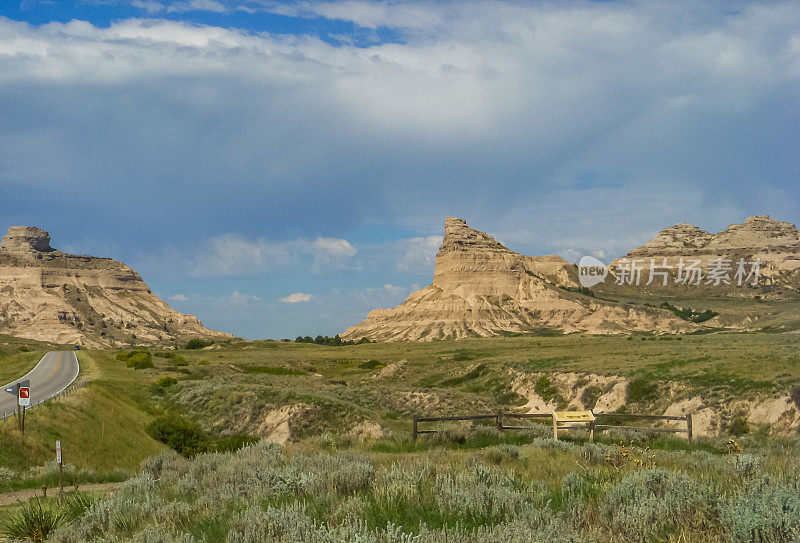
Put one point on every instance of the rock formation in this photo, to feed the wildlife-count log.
(775, 244)
(481, 288)
(53, 296)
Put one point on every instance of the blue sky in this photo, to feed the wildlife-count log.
(281, 168)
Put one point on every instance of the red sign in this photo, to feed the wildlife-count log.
(24, 392)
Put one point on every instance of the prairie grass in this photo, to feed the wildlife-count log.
(541, 491)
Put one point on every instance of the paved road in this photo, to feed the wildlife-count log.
(54, 372)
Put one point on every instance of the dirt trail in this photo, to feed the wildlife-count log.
(25, 495)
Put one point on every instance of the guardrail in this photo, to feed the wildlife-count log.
(66, 392)
(500, 416)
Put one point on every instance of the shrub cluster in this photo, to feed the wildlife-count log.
(176, 359)
(189, 439)
(138, 360)
(263, 494)
(334, 341)
(688, 314)
(198, 343)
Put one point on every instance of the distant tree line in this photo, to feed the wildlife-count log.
(334, 341)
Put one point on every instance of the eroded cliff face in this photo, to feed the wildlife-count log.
(49, 295)
(481, 288)
(775, 244)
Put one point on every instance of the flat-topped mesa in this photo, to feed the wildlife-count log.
(49, 295)
(26, 239)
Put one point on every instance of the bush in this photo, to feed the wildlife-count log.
(166, 382)
(767, 512)
(125, 356)
(642, 390)
(137, 360)
(745, 465)
(234, 443)
(197, 343)
(739, 426)
(649, 502)
(544, 388)
(186, 437)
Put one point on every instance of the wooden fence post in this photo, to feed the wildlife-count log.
(499, 419)
(414, 429)
(555, 427)
(689, 426)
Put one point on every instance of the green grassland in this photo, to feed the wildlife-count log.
(436, 488)
(228, 388)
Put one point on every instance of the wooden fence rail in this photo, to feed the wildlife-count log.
(500, 415)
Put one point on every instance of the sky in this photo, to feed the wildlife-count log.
(282, 168)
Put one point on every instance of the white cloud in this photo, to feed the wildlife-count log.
(333, 247)
(418, 255)
(296, 297)
(197, 5)
(238, 299)
(149, 6)
(491, 111)
(331, 253)
(231, 254)
(178, 298)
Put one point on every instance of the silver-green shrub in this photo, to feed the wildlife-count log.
(767, 512)
(648, 502)
(745, 465)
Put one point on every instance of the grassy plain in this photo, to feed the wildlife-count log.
(468, 484)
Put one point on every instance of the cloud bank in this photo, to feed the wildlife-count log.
(561, 127)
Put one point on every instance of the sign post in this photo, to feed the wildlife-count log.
(24, 400)
(568, 419)
(60, 471)
(17, 390)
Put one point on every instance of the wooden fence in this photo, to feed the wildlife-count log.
(500, 421)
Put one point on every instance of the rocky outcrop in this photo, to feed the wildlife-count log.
(49, 295)
(481, 288)
(775, 244)
(675, 240)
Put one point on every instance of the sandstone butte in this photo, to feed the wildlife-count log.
(775, 244)
(49, 295)
(481, 288)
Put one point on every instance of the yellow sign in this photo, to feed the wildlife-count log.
(573, 416)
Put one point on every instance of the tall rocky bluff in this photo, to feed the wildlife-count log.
(775, 244)
(49, 295)
(481, 288)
